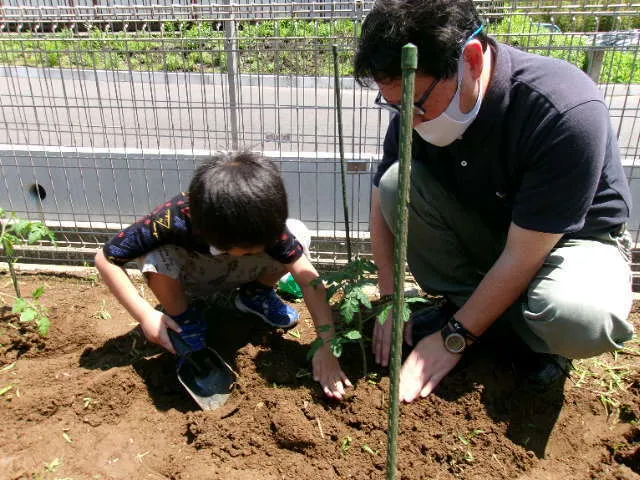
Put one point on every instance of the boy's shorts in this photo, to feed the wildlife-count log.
(205, 276)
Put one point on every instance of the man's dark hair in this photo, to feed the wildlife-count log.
(238, 200)
(438, 28)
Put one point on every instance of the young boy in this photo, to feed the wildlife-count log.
(229, 231)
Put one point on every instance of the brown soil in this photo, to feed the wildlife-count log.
(94, 400)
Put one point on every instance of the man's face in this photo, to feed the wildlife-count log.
(433, 106)
(442, 93)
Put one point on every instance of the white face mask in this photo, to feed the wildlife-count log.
(452, 123)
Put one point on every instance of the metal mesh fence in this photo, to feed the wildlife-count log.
(108, 107)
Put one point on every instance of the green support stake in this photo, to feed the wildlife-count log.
(409, 65)
(343, 175)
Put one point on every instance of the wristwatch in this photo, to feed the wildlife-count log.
(455, 336)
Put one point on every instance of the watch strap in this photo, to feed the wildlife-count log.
(455, 326)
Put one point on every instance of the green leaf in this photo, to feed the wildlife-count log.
(384, 314)
(28, 315)
(406, 314)
(353, 335)
(350, 306)
(314, 347)
(38, 292)
(363, 298)
(43, 323)
(19, 305)
(336, 349)
(416, 300)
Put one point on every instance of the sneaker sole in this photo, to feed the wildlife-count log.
(243, 308)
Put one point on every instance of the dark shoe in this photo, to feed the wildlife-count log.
(431, 319)
(542, 370)
(269, 307)
(194, 328)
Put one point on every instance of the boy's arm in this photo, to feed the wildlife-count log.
(154, 324)
(326, 368)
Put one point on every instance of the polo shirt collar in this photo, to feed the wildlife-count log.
(496, 98)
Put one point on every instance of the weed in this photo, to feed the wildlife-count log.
(6, 368)
(369, 450)
(608, 377)
(294, 333)
(466, 439)
(103, 313)
(54, 465)
(6, 389)
(345, 444)
(302, 373)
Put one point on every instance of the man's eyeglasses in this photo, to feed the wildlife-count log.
(395, 108)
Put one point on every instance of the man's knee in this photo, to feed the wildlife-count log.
(388, 188)
(578, 327)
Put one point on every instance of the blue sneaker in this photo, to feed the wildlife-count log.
(194, 328)
(269, 307)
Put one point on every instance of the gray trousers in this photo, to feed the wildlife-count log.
(576, 306)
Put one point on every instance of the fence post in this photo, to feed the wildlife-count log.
(595, 58)
(231, 48)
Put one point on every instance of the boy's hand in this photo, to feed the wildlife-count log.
(155, 327)
(327, 371)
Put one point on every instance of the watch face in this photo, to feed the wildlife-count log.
(455, 342)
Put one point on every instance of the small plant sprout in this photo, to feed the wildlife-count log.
(103, 313)
(466, 439)
(345, 444)
(33, 311)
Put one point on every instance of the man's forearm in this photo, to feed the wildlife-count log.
(382, 244)
(508, 279)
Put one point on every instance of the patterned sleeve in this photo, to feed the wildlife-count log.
(167, 224)
(287, 250)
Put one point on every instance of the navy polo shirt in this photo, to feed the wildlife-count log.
(541, 152)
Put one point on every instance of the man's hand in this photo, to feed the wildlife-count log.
(381, 343)
(327, 371)
(426, 365)
(155, 327)
(382, 334)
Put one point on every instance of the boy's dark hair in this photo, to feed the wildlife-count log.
(238, 200)
(438, 28)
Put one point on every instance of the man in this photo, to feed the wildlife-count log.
(518, 201)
